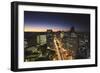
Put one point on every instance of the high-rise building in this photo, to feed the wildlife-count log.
(71, 41)
(41, 39)
(50, 38)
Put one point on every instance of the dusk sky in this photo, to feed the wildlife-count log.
(41, 21)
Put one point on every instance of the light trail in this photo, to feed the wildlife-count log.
(62, 54)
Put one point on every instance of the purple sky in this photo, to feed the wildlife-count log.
(41, 21)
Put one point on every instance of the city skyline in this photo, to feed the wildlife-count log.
(41, 21)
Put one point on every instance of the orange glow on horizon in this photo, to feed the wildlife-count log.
(42, 29)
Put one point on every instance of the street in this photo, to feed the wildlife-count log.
(61, 53)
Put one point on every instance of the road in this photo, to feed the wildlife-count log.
(61, 53)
